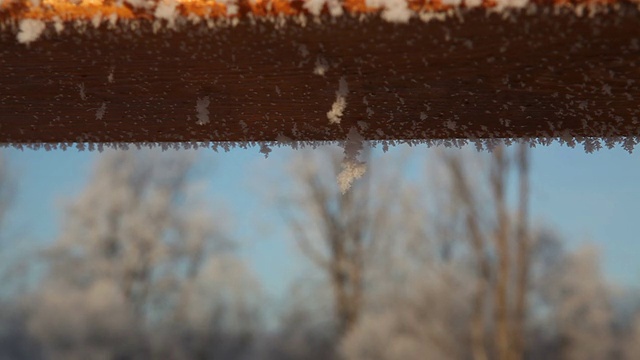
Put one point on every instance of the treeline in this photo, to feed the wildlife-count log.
(445, 264)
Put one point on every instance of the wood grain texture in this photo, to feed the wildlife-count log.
(477, 76)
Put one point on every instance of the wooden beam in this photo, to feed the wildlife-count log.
(537, 71)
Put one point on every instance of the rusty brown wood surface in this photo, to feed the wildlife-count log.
(481, 75)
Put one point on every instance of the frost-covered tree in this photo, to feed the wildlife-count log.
(427, 318)
(631, 345)
(470, 257)
(338, 232)
(142, 268)
(581, 310)
(15, 340)
(305, 328)
(473, 223)
(501, 246)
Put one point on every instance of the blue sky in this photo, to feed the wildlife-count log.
(584, 197)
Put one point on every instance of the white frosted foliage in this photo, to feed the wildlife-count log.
(30, 30)
(518, 4)
(335, 9)
(124, 239)
(167, 10)
(394, 11)
(472, 3)
(58, 25)
(139, 3)
(315, 7)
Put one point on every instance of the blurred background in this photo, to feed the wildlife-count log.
(435, 253)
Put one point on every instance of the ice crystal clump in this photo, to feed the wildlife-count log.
(394, 11)
(202, 109)
(83, 94)
(321, 67)
(351, 171)
(352, 168)
(30, 30)
(101, 111)
(338, 107)
(315, 7)
(141, 4)
(167, 10)
(472, 3)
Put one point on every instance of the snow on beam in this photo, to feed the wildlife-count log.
(145, 71)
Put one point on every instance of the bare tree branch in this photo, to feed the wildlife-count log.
(523, 256)
(499, 171)
(478, 244)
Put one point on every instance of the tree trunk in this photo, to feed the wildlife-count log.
(523, 256)
(501, 289)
